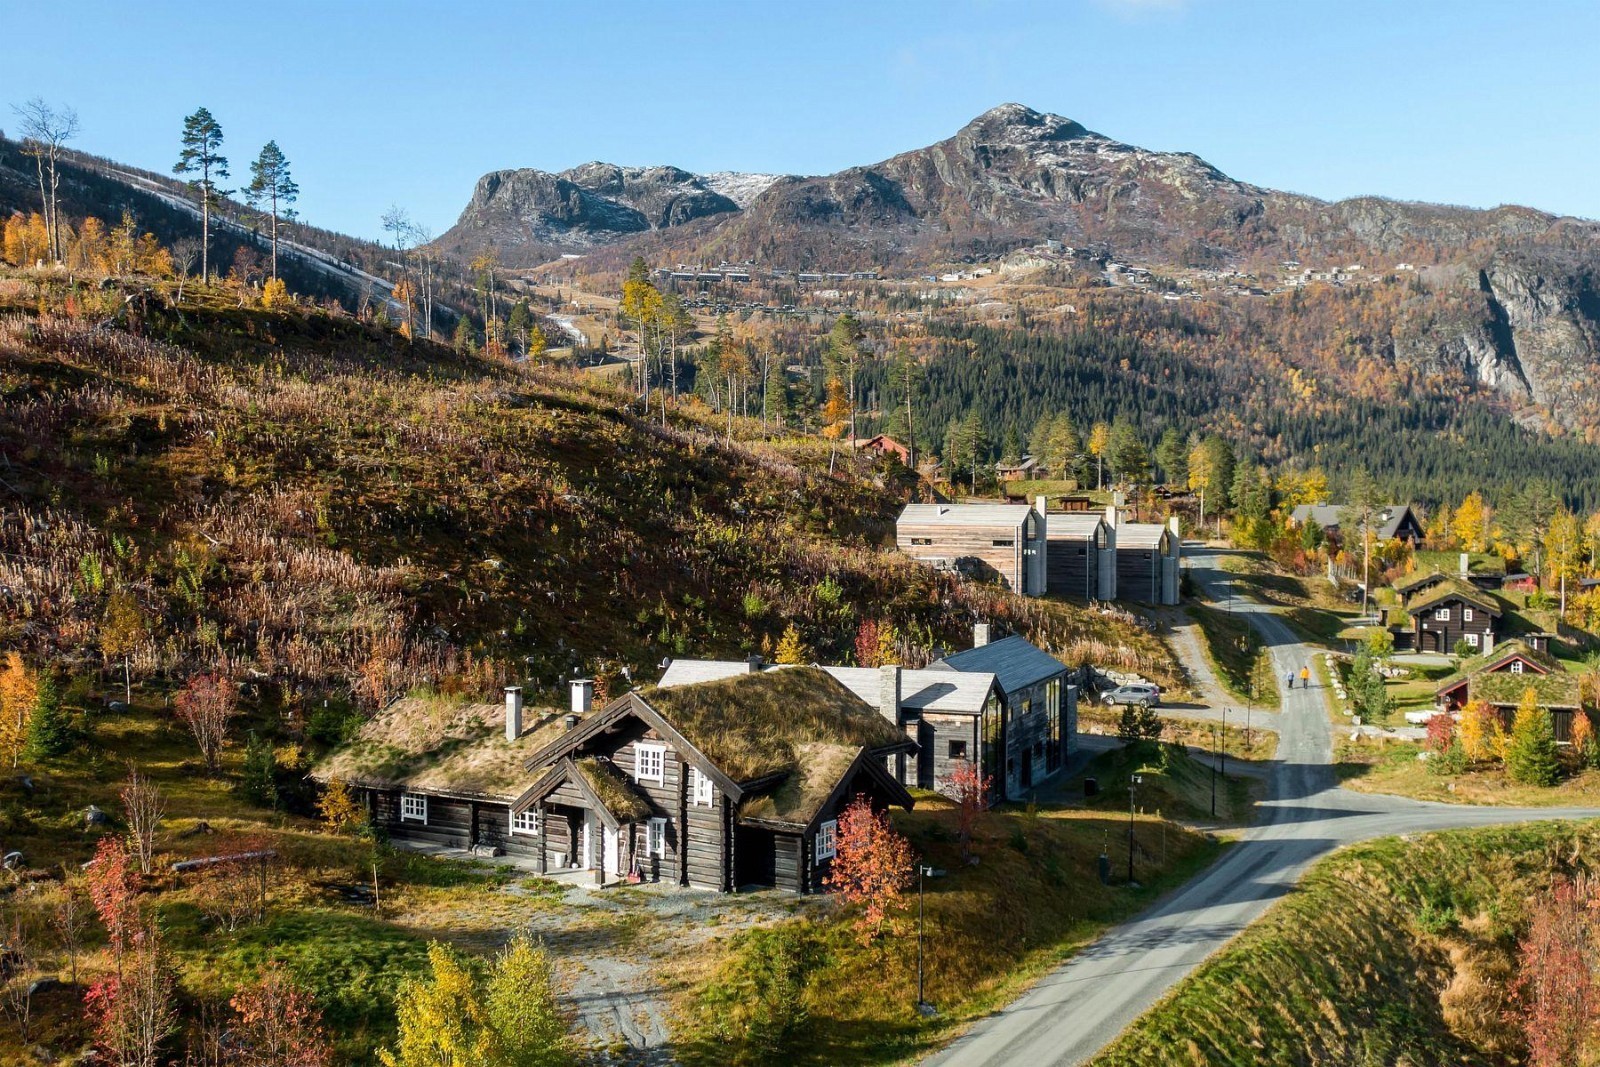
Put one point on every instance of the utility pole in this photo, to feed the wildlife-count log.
(1133, 781)
(1213, 770)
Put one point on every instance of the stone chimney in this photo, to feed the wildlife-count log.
(889, 693)
(980, 634)
(753, 664)
(582, 695)
(513, 712)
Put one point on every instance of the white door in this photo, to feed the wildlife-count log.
(613, 853)
(588, 841)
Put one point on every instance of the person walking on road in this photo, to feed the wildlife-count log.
(1288, 679)
(1305, 677)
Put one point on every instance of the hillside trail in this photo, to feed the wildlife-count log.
(1073, 1013)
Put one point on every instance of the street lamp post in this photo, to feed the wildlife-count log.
(1133, 781)
(923, 872)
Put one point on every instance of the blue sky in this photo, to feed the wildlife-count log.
(407, 102)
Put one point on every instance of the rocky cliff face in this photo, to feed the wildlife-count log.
(529, 215)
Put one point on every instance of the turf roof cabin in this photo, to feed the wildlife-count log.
(1452, 612)
(1503, 677)
(723, 784)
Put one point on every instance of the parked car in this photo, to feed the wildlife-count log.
(1148, 696)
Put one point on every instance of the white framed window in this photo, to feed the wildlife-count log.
(700, 792)
(525, 821)
(1466, 614)
(827, 840)
(649, 763)
(1442, 614)
(1516, 666)
(413, 808)
(1471, 639)
(655, 840)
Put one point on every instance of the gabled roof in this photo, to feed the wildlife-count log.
(1454, 589)
(1558, 689)
(1328, 516)
(1417, 582)
(745, 728)
(1015, 662)
(1497, 658)
(604, 787)
(966, 514)
(922, 690)
(440, 745)
(1073, 525)
(925, 690)
(1140, 534)
(817, 783)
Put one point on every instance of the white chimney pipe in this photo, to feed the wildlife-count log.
(1111, 516)
(513, 712)
(582, 695)
(980, 634)
(1466, 564)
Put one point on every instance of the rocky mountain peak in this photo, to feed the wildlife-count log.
(1019, 124)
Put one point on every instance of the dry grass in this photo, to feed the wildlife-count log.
(614, 791)
(753, 725)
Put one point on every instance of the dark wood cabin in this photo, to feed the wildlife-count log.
(1082, 561)
(1450, 612)
(1502, 679)
(1149, 557)
(718, 785)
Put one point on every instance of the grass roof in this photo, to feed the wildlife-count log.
(801, 795)
(754, 725)
(1558, 690)
(443, 745)
(1499, 654)
(1416, 581)
(1455, 588)
(614, 790)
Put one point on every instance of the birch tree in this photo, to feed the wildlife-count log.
(45, 130)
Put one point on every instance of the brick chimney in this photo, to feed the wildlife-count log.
(980, 634)
(513, 712)
(582, 695)
(889, 693)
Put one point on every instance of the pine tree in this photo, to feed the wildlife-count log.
(50, 728)
(1531, 756)
(1129, 460)
(259, 782)
(1172, 456)
(272, 186)
(202, 141)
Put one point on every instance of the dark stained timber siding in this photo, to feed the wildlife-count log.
(1071, 566)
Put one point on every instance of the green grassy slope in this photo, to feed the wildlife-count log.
(1396, 952)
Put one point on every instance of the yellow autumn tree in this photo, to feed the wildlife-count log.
(441, 1021)
(19, 692)
(339, 808)
(1471, 523)
(1482, 735)
(1099, 442)
(792, 647)
(27, 240)
(276, 295)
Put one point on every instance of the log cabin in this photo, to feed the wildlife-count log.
(995, 542)
(1452, 612)
(1503, 677)
(718, 785)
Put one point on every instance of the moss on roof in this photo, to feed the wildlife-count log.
(1416, 581)
(1499, 654)
(1455, 588)
(441, 744)
(1558, 690)
(801, 795)
(614, 790)
(754, 725)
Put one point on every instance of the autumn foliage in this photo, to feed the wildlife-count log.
(971, 788)
(1557, 999)
(278, 1024)
(872, 867)
(206, 705)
